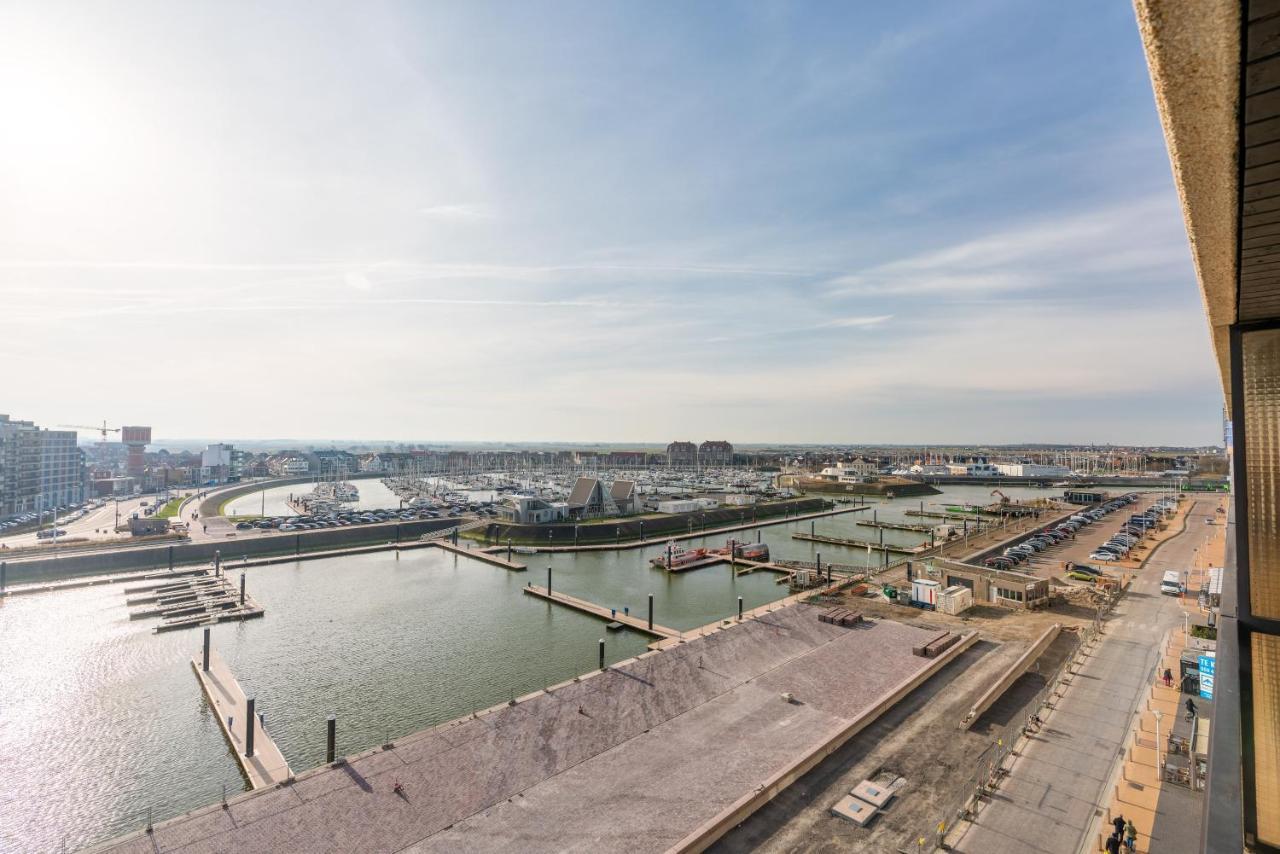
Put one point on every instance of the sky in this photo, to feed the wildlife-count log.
(595, 221)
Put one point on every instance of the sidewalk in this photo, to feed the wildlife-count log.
(1049, 800)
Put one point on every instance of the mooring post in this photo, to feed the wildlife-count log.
(575, 535)
(204, 662)
(819, 564)
(811, 527)
(171, 558)
(249, 721)
(873, 516)
(739, 609)
(642, 530)
(243, 573)
(668, 555)
(650, 612)
(331, 739)
(922, 508)
(602, 653)
(455, 536)
(757, 535)
(548, 581)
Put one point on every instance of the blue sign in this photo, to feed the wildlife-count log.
(1207, 667)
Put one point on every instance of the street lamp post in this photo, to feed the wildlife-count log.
(1159, 763)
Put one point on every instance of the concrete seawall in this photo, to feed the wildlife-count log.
(233, 548)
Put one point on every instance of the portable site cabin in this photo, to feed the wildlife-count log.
(924, 592)
(955, 600)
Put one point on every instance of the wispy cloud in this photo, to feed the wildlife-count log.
(1121, 239)
(874, 320)
(457, 212)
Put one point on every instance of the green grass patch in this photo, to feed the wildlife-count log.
(169, 510)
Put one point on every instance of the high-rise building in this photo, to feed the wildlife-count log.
(39, 468)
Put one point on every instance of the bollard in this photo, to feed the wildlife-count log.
(811, 527)
(739, 609)
(819, 569)
(205, 660)
(650, 612)
(548, 581)
(242, 575)
(331, 739)
(248, 727)
(602, 653)
(873, 516)
(508, 550)
(757, 535)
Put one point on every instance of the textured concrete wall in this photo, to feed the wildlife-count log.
(1193, 54)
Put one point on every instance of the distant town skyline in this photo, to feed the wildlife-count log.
(795, 223)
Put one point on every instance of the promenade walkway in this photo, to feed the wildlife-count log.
(1049, 799)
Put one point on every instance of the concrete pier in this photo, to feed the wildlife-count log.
(267, 766)
(897, 526)
(480, 554)
(606, 614)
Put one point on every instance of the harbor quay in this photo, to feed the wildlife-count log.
(666, 751)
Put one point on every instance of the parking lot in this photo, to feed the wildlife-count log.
(1079, 547)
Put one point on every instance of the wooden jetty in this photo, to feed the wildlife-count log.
(953, 517)
(860, 544)
(897, 526)
(607, 614)
(267, 765)
(481, 554)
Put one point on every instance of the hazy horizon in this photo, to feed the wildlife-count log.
(578, 220)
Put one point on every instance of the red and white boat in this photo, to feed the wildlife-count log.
(746, 551)
(677, 556)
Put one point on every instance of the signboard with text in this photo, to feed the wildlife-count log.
(1207, 667)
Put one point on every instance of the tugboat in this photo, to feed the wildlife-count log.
(746, 551)
(677, 556)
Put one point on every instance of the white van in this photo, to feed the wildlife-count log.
(1171, 583)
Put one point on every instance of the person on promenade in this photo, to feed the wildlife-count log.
(1130, 836)
(1168, 678)
(1113, 844)
(1117, 825)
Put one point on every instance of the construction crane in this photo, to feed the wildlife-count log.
(104, 429)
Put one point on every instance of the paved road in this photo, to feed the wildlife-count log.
(97, 524)
(1047, 802)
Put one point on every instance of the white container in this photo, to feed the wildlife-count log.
(925, 590)
(955, 600)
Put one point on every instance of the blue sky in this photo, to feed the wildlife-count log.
(772, 222)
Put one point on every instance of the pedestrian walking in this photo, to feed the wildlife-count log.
(1130, 836)
(1113, 844)
(1117, 826)
(1168, 678)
